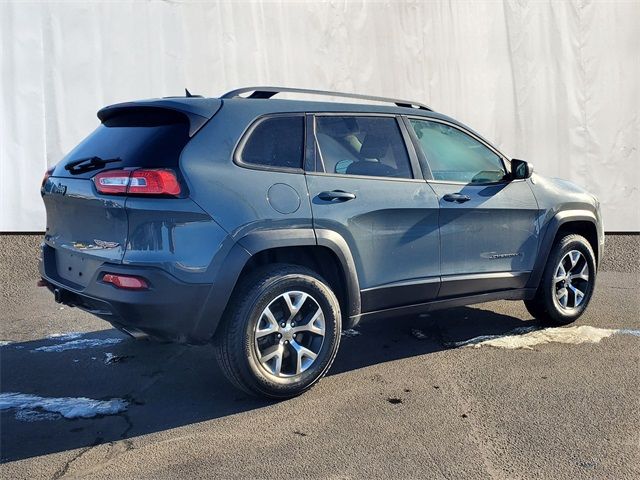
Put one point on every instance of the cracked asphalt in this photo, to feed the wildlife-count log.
(396, 404)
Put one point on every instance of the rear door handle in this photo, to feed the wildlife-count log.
(456, 197)
(339, 195)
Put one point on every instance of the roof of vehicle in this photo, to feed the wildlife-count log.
(199, 109)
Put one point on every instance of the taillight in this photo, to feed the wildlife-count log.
(47, 174)
(138, 182)
(127, 282)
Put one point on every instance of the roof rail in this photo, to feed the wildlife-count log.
(268, 92)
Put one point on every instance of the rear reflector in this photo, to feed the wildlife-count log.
(138, 182)
(125, 281)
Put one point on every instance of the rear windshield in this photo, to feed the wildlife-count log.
(143, 137)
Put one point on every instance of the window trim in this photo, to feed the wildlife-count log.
(503, 158)
(414, 166)
(246, 135)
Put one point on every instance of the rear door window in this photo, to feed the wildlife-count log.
(275, 142)
(142, 137)
(371, 146)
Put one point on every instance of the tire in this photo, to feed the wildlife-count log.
(558, 302)
(247, 346)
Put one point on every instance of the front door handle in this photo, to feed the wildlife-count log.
(336, 195)
(456, 197)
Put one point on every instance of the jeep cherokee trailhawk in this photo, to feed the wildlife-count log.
(266, 226)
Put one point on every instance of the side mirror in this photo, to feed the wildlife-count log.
(520, 169)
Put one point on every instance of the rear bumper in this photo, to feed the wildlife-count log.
(169, 309)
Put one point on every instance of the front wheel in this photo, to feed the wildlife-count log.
(567, 282)
(281, 332)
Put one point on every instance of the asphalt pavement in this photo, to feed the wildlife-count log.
(399, 402)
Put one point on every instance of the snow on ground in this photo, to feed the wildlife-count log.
(65, 336)
(32, 407)
(529, 337)
(78, 344)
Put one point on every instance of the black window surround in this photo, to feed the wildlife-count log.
(311, 157)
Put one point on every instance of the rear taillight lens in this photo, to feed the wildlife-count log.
(127, 282)
(47, 174)
(139, 182)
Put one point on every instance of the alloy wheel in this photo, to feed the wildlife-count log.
(289, 334)
(571, 281)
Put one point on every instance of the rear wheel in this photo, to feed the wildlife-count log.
(567, 282)
(281, 332)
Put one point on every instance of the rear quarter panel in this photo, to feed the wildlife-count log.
(236, 197)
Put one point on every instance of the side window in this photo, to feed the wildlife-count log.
(370, 146)
(455, 156)
(275, 142)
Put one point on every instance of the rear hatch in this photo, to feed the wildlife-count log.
(85, 193)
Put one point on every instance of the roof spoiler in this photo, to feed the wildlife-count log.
(197, 110)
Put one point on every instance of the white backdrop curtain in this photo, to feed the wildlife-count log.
(553, 82)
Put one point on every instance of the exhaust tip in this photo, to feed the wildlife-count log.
(57, 295)
(137, 334)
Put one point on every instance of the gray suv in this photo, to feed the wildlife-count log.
(268, 226)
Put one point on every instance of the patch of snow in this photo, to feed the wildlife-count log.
(36, 416)
(110, 358)
(483, 338)
(68, 407)
(79, 344)
(65, 336)
(352, 332)
(568, 335)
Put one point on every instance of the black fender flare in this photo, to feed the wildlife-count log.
(548, 237)
(265, 239)
(339, 246)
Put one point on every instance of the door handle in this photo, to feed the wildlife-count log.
(336, 195)
(456, 197)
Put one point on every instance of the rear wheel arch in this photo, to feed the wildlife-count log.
(321, 259)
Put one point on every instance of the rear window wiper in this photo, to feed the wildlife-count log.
(89, 163)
